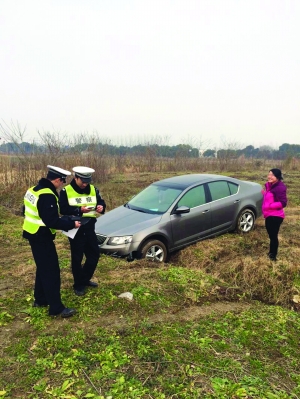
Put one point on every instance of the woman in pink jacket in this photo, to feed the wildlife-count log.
(272, 208)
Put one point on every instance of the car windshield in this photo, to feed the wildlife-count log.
(154, 199)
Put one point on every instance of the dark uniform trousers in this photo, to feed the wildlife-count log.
(84, 243)
(47, 280)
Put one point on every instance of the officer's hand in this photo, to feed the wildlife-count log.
(77, 224)
(85, 209)
(99, 208)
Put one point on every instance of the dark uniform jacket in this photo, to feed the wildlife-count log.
(66, 209)
(48, 212)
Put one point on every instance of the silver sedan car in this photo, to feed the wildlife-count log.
(175, 212)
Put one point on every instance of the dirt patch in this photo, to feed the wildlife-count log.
(197, 312)
(4, 286)
(192, 313)
(115, 322)
(6, 333)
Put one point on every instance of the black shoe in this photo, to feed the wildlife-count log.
(79, 292)
(39, 305)
(67, 312)
(272, 257)
(92, 284)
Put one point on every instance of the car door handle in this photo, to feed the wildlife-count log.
(207, 210)
(236, 201)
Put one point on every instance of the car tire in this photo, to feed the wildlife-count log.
(245, 221)
(154, 250)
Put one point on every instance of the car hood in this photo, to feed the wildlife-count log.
(124, 221)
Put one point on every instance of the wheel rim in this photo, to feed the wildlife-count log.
(155, 253)
(246, 222)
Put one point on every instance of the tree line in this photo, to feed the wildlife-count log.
(180, 150)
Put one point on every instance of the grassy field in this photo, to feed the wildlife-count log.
(217, 321)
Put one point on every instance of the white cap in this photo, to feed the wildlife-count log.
(56, 172)
(84, 173)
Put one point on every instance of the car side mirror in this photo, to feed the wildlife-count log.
(182, 209)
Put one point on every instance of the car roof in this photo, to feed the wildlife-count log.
(185, 181)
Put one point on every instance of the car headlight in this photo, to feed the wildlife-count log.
(119, 240)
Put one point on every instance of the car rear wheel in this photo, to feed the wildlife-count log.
(154, 250)
(245, 221)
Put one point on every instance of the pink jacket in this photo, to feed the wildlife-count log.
(272, 206)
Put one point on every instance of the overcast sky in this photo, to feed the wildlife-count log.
(203, 71)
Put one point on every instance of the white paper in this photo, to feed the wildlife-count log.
(70, 233)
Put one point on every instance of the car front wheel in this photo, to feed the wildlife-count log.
(154, 250)
(245, 221)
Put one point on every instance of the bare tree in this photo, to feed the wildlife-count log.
(13, 132)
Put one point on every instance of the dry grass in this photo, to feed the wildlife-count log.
(238, 261)
(241, 262)
(18, 172)
(191, 319)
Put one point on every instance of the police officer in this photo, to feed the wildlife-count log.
(41, 212)
(80, 198)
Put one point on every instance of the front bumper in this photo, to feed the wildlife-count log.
(118, 251)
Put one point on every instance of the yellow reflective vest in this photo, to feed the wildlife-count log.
(32, 221)
(76, 199)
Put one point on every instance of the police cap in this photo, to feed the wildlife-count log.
(84, 173)
(54, 172)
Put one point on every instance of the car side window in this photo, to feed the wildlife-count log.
(194, 197)
(233, 188)
(218, 190)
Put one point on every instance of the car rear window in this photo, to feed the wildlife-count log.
(233, 188)
(219, 189)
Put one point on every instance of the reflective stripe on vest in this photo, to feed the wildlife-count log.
(75, 199)
(32, 221)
